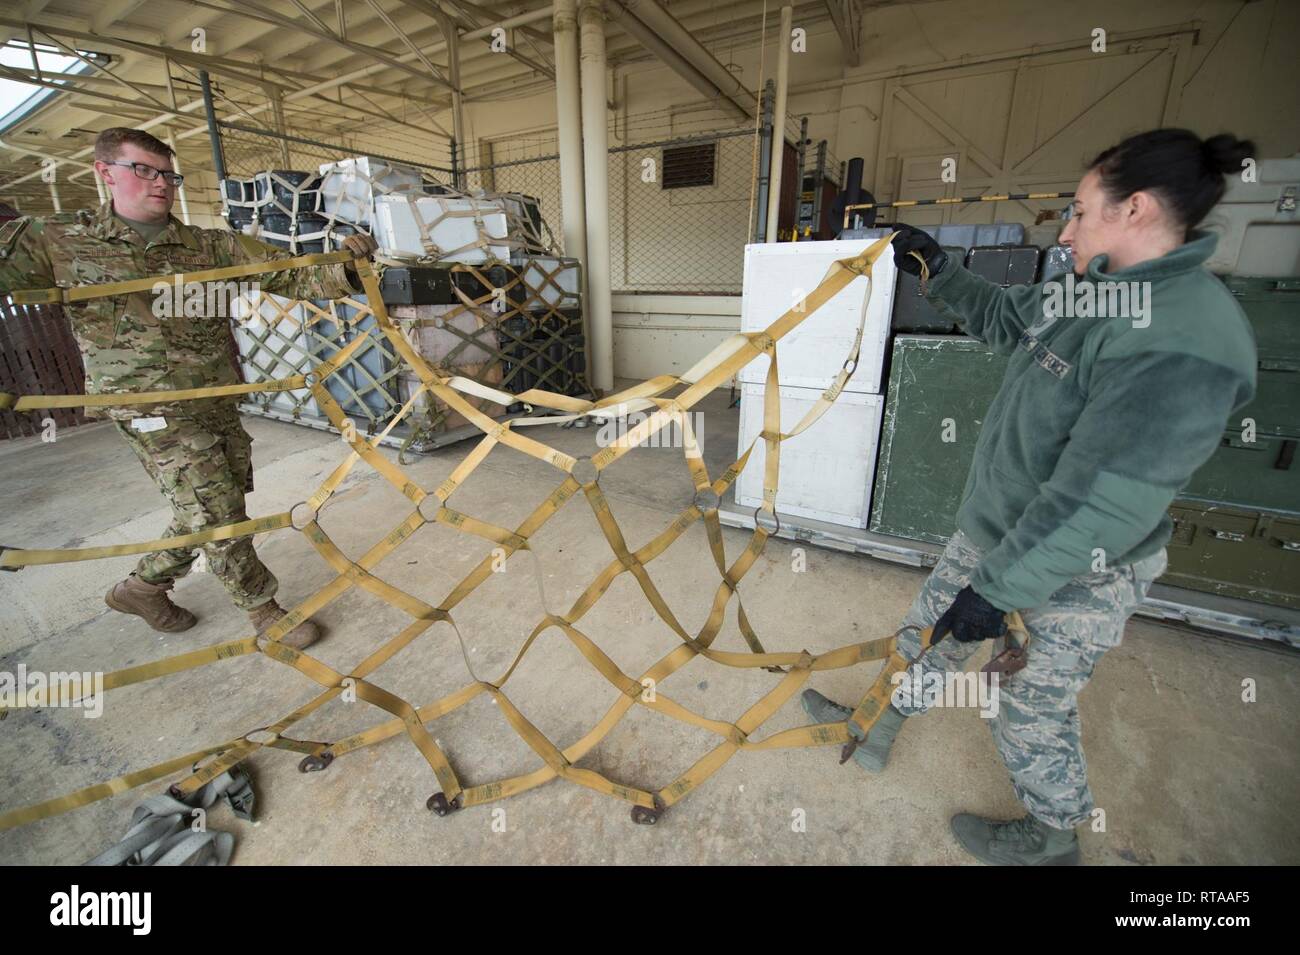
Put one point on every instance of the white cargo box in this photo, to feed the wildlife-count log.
(456, 228)
(350, 186)
(826, 472)
(778, 275)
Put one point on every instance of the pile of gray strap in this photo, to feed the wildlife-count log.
(169, 831)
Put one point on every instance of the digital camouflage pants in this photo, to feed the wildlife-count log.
(1037, 723)
(203, 466)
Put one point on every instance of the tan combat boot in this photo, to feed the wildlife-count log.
(149, 601)
(299, 638)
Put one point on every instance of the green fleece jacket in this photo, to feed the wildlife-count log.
(1100, 421)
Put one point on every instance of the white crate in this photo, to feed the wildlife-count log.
(826, 472)
(350, 186)
(398, 233)
(778, 274)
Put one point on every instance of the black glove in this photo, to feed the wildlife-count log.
(911, 239)
(970, 618)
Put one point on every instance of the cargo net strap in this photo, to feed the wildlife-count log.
(579, 477)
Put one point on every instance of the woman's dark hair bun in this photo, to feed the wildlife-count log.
(1225, 153)
(1184, 170)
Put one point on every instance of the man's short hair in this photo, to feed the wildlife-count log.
(108, 144)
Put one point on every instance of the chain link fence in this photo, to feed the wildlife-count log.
(681, 196)
(684, 183)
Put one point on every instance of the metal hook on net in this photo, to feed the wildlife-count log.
(774, 523)
(584, 471)
(293, 520)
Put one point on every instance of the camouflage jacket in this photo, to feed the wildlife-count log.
(125, 345)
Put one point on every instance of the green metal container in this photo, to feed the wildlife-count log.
(940, 387)
(1234, 552)
(1273, 307)
(1262, 474)
(1276, 406)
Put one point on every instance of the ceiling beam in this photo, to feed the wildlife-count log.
(406, 40)
(847, 17)
(259, 12)
(468, 22)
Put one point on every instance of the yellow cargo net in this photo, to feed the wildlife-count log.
(579, 475)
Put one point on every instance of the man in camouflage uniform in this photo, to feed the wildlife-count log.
(196, 451)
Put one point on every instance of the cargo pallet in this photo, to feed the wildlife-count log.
(1203, 611)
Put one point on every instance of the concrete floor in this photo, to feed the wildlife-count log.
(1186, 771)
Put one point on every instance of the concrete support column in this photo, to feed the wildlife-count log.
(778, 121)
(595, 142)
(568, 110)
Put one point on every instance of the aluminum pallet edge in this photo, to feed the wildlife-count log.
(396, 439)
(1220, 615)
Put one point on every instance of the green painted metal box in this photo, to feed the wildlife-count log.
(1235, 552)
(940, 386)
(1273, 307)
(1262, 474)
(1275, 409)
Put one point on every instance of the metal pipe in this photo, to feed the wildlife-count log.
(778, 124)
(683, 41)
(457, 101)
(595, 141)
(672, 59)
(568, 112)
(764, 162)
(520, 20)
(214, 136)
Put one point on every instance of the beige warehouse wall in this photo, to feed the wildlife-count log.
(1210, 66)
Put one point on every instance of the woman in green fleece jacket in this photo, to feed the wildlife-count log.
(1098, 424)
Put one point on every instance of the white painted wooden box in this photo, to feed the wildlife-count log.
(349, 187)
(826, 471)
(456, 225)
(778, 274)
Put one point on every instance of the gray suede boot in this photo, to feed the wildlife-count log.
(1025, 841)
(873, 752)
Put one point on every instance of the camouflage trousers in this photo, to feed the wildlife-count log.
(1036, 727)
(203, 466)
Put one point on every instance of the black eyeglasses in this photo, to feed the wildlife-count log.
(149, 172)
